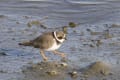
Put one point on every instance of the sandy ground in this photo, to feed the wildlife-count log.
(18, 62)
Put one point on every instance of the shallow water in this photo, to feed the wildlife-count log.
(94, 15)
(65, 10)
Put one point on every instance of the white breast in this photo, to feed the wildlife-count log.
(54, 46)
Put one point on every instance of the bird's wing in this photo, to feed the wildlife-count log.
(43, 41)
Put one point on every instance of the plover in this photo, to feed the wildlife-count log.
(49, 41)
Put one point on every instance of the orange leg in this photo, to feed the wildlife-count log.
(43, 55)
(59, 53)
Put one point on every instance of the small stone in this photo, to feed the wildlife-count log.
(73, 74)
(63, 64)
(72, 24)
(52, 73)
(91, 45)
(89, 30)
(26, 17)
(40, 68)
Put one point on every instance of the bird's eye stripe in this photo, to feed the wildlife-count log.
(59, 37)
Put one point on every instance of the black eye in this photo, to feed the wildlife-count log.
(59, 37)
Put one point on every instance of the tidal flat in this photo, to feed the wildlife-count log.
(92, 46)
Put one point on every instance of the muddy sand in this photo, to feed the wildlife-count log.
(63, 71)
(92, 46)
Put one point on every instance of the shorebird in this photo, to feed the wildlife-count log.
(49, 41)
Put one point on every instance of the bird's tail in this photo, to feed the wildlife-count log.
(29, 43)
